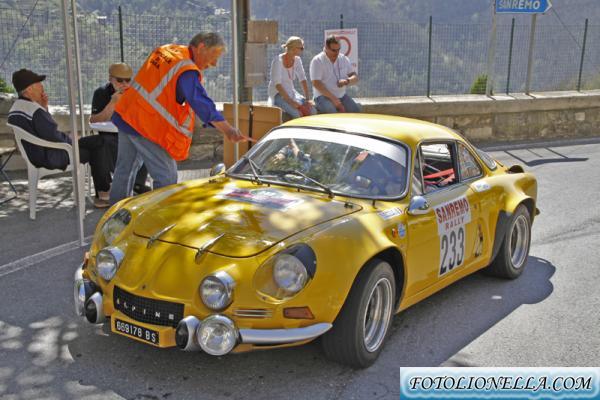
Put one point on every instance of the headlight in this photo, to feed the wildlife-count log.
(82, 290)
(289, 273)
(286, 273)
(115, 225)
(217, 335)
(216, 291)
(108, 261)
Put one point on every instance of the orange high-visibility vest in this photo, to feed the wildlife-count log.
(150, 107)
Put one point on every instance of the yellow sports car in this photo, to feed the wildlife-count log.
(325, 229)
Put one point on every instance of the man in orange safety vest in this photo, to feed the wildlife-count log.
(155, 116)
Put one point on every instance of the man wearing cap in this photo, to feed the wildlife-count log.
(103, 106)
(30, 112)
(155, 116)
(330, 72)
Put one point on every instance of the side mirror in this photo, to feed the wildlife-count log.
(418, 206)
(217, 169)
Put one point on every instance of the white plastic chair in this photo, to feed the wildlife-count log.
(34, 174)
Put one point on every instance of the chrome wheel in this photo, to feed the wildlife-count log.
(378, 314)
(519, 241)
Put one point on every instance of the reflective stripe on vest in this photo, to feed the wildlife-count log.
(151, 98)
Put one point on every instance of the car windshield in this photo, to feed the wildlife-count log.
(334, 162)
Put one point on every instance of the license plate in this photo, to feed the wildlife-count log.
(139, 332)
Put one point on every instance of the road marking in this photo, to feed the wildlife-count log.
(34, 259)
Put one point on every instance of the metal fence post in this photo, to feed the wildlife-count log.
(489, 79)
(341, 21)
(429, 58)
(121, 34)
(510, 49)
(582, 55)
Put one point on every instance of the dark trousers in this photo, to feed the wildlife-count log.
(112, 144)
(93, 150)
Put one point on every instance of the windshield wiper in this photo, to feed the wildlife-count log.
(254, 169)
(308, 178)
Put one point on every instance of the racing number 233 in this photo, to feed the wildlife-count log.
(452, 249)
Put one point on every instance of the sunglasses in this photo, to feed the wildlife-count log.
(121, 80)
(301, 48)
(334, 50)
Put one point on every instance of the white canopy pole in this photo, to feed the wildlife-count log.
(78, 68)
(234, 70)
(72, 108)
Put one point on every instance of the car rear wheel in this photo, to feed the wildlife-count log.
(362, 326)
(512, 257)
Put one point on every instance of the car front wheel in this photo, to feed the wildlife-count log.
(362, 326)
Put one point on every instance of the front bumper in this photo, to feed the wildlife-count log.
(85, 293)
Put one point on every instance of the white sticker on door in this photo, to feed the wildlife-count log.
(452, 217)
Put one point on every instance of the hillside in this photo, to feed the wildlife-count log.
(453, 11)
(393, 40)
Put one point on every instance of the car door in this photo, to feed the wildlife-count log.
(441, 239)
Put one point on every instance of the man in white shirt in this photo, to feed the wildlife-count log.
(331, 72)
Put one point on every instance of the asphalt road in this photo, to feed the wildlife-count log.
(548, 317)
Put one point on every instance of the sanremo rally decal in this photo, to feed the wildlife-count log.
(451, 219)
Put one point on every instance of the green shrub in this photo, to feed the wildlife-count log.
(5, 88)
(478, 87)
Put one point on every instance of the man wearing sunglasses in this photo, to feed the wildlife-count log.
(103, 106)
(330, 72)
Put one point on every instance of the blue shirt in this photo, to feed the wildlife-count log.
(189, 90)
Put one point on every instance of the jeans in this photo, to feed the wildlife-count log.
(287, 108)
(111, 140)
(133, 150)
(325, 106)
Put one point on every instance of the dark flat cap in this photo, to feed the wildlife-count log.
(23, 78)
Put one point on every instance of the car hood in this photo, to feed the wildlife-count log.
(234, 218)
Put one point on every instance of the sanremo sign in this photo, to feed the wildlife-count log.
(523, 6)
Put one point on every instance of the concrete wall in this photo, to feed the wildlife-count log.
(516, 117)
(547, 115)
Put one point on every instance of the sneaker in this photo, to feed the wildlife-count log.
(139, 189)
(99, 203)
(104, 196)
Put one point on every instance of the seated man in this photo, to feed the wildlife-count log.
(374, 174)
(331, 72)
(291, 157)
(103, 107)
(30, 112)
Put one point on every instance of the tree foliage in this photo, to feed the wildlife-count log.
(5, 88)
(478, 86)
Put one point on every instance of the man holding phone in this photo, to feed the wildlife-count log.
(103, 106)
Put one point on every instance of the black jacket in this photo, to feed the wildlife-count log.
(34, 119)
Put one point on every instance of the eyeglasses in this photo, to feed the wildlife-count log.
(334, 50)
(121, 80)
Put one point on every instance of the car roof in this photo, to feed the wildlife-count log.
(407, 130)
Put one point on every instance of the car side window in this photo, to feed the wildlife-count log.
(469, 168)
(438, 161)
(417, 179)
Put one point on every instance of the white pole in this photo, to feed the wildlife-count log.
(530, 57)
(234, 70)
(78, 68)
(491, 54)
(71, 86)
